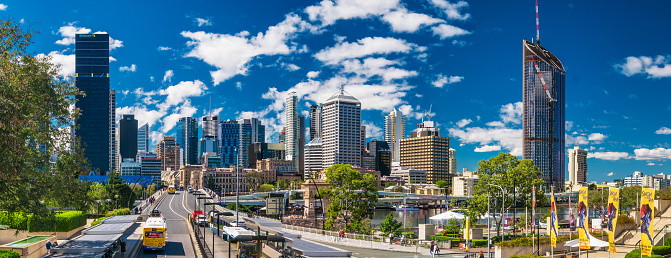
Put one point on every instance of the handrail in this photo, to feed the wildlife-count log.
(655, 240)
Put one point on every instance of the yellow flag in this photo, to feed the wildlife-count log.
(613, 206)
(647, 214)
(554, 227)
(467, 229)
(583, 217)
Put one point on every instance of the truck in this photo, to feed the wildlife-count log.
(194, 215)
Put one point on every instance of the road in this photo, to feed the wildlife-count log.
(178, 240)
(220, 246)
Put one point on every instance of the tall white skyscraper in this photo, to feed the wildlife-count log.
(394, 131)
(210, 124)
(577, 165)
(341, 131)
(453, 161)
(143, 138)
(292, 130)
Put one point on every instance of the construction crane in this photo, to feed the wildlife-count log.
(538, 70)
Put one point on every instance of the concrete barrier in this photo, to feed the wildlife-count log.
(29, 250)
(10, 235)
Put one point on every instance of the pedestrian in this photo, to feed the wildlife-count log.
(55, 244)
(48, 247)
(403, 240)
(481, 255)
(391, 237)
(431, 249)
(123, 246)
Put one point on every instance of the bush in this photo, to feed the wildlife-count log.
(62, 221)
(661, 250)
(526, 241)
(625, 220)
(408, 235)
(444, 238)
(119, 212)
(667, 241)
(479, 242)
(70, 220)
(14, 220)
(636, 253)
(9, 254)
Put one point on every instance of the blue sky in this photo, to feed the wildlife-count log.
(461, 58)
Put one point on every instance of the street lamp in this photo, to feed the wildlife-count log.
(98, 210)
(212, 222)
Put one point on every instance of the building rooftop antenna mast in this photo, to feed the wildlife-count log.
(210, 106)
(538, 37)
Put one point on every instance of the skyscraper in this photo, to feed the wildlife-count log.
(210, 124)
(143, 138)
(209, 141)
(114, 160)
(544, 113)
(382, 154)
(427, 150)
(577, 166)
(168, 152)
(301, 143)
(251, 131)
(229, 142)
(128, 137)
(92, 78)
(293, 130)
(187, 137)
(394, 131)
(341, 132)
(315, 121)
(453, 161)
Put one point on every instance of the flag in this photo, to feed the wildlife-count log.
(583, 223)
(613, 206)
(533, 209)
(553, 220)
(570, 214)
(647, 214)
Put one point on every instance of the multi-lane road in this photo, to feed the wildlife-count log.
(178, 240)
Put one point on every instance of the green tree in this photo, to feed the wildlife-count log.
(35, 119)
(266, 188)
(628, 196)
(353, 197)
(453, 226)
(388, 184)
(446, 186)
(253, 179)
(390, 224)
(516, 177)
(210, 183)
(243, 208)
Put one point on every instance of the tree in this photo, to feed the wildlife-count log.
(266, 188)
(353, 197)
(388, 184)
(516, 177)
(210, 183)
(444, 185)
(390, 224)
(253, 179)
(35, 119)
(453, 226)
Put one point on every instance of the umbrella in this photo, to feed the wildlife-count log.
(448, 215)
(593, 242)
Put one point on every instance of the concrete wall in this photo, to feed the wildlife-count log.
(34, 250)
(503, 252)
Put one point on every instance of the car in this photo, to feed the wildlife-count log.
(241, 224)
(195, 214)
(202, 220)
(155, 213)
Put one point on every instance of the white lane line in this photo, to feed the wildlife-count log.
(170, 205)
(184, 201)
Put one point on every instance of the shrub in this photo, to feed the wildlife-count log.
(9, 254)
(70, 220)
(14, 220)
(526, 241)
(408, 235)
(667, 241)
(636, 253)
(661, 250)
(118, 212)
(625, 220)
(444, 238)
(479, 242)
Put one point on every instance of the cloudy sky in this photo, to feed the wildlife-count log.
(462, 60)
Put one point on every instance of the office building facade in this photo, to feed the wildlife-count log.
(315, 121)
(143, 138)
(313, 156)
(128, 137)
(251, 131)
(544, 113)
(187, 137)
(341, 131)
(169, 153)
(381, 152)
(427, 150)
(577, 166)
(394, 131)
(95, 131)
(261, 150)
(229, 142)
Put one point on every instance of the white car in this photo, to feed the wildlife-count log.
(238, 224)
(202, 220)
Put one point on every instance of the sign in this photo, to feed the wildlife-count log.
(613, 205)
(647, 214)
(463, 247)
(583, 223)
(554, 227)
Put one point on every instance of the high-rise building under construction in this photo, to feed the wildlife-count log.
(544, 113)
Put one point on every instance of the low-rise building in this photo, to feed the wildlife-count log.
(463, 184)
(410, 175)
(225, 178)
(185, 175)
(272, 167)
(396, 180)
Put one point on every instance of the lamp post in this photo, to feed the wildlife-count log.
(98, 210)
(217, 213)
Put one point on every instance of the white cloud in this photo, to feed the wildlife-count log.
(376, 67)
(168, 76)
(65, 62)
(291, 67)
(442, 80)
(363, 47)
(177, 94)
(452, 10)
(488, 148)
(142, 114)
(464, 122)
(161, 48)
(512, 112)
(231, 54)
(328, 12)
(663, 130)
(4, 7)
(372, 131)
(132, 68)
(203, 22)
(402, 20)
(609, 174)
(650, 164)
(652, 154)
(496, 124)
(186, 110)
(508, 138)
(576, 140)
(112, 59)
(459, 43)
(114, 43)
(313, 74)
(568, 125)
(445, 31)
(653, 67)
(597, 137)
(68, 32)
(608, 155)
(151, 78)
(238, 85)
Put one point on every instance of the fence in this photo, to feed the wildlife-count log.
(200, 237)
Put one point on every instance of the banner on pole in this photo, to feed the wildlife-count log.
(613, 206)
(467, 229)
(553, 220)
(583, 223)
(533, 209)
(647, 214)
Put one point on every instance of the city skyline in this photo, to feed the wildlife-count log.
(437, 60)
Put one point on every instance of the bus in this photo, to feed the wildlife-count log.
(171, 189)
(246, 246)
(153, 237)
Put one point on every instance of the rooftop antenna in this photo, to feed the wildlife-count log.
(210, 106)
(429, 114)
(538, 37)
(342, 89)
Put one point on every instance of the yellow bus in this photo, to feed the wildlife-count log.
(153, 237)
(171, 189)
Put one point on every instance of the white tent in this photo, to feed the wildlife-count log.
(448, 215)
(593, 242)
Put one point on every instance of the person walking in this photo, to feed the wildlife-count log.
(48, 247)
(123, 246)
(431, 247)
(402, 239)
(481, 255)
(391, 237)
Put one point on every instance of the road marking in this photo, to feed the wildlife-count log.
(170, 206)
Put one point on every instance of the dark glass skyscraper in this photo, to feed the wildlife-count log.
(229, 142)
(92, 78)
(128, 137)
(187, 137)
(544, 113)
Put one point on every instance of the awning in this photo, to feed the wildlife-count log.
(593, 242)
(448, 215)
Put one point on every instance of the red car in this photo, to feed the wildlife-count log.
(194, 215)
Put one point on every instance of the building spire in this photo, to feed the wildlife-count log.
(210, 106)
(538, 37)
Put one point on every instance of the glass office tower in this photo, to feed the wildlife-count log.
(544, 116)
(187, 137)
(92, 78)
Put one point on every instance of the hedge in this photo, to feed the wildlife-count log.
(119, 212)
(9, 254)
(625, 220)
(636, 253)
(667, 241)
(64, 221)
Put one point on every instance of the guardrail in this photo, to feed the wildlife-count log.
(200, 237)
(335, 237)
